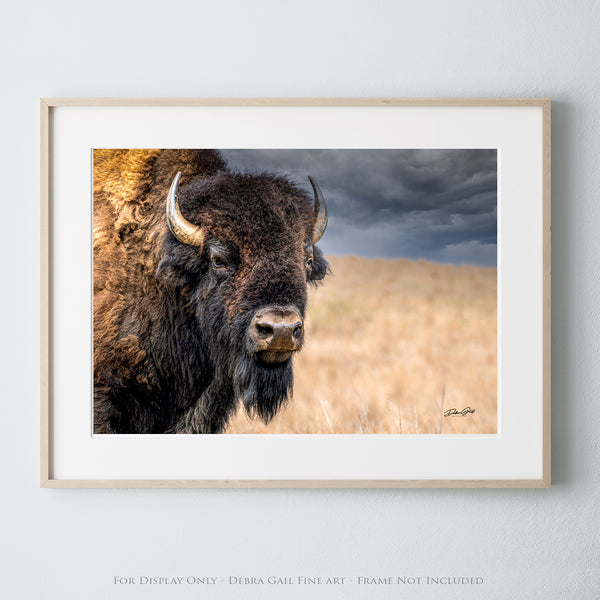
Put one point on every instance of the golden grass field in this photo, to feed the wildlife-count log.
(390, 345)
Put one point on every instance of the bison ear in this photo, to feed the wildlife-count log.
(173, 272)
(320, 267)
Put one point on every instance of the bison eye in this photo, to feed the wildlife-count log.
(218, 263)
(309, 263)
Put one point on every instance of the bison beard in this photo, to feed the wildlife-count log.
(262, 389)
(191, 304)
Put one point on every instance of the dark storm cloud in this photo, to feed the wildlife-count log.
(439, 205)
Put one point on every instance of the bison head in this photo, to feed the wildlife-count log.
(242, 249)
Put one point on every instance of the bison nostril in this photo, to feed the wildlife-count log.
(297, 331)
(264, 330)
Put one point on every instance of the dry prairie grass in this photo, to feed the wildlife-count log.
(390, 345)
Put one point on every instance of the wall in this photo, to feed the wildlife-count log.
(533, 544)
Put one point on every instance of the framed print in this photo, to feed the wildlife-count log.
(288, 293)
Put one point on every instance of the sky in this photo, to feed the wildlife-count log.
(436, 205)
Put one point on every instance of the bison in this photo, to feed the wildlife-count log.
(200, 289)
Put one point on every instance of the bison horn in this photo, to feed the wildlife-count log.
(181, 228)
(320, 212)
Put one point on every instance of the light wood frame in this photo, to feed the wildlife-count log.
(46, 107)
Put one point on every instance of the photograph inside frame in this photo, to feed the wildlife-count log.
(297, 291)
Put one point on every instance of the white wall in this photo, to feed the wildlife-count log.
(533, 544)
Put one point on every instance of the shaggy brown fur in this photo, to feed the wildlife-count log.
(171, 350)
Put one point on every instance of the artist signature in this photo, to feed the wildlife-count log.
(452, 412)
